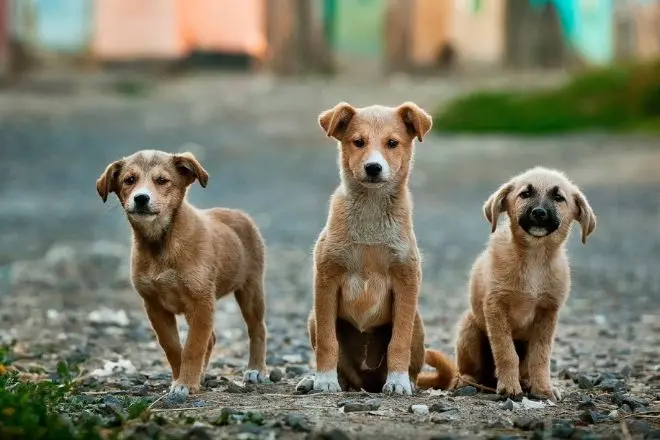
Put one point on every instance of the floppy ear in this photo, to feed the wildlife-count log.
(584, 215)
(189, 167)
(417, 120)
(335, 121)
(108, 181)
(496, 204)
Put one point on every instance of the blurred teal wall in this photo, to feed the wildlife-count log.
(356, 27)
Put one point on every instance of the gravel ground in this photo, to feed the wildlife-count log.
(64, 280)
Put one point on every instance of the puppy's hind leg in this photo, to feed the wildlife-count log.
(474, 360)
(251, 301)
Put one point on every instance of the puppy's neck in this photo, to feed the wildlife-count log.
(375, 215)
(156, 236)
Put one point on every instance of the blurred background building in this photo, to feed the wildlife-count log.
(343, 36)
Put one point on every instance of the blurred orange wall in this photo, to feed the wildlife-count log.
(430, 30)
(479, 35)
(226, 26)
(647, 29)
(127, 29)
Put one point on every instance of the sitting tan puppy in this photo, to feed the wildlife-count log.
(365, 328)
(519, 283)
(184, 258)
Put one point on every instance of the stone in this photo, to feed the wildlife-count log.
(638, 427)
(420, 410)
(510, 405)
(594, 417)
(584, 382)
(355, 406)
(334, 434)
(525, 423)
(305, 385)
(441, 407)
(234, 388)
(465, 391)
(297, 422)
(276, 375)
(562, 428)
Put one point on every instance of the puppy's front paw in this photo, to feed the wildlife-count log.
(547, 392)
(327, 381)
(178, 392)
(509, 388)
(398, 383)
(254, 376)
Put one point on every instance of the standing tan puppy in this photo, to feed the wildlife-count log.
(365, 328)
(184, 258)
(519, 283)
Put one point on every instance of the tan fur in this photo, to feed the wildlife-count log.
(185, 258)
(367, 268)
(517, 287)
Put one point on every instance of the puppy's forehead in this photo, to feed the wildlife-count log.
(376, 116)
(544, 178)
(149, 159)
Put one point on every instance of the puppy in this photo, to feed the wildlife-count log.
(365, 328)
(184, 258)
(519, 283)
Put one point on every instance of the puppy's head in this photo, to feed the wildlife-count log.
(541, 204)
(151, 184)
(376, 142)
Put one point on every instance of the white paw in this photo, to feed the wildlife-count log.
(327, 381)
(253, 376)
(398, 383)
(178, 392)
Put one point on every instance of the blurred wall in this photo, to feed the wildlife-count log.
(477, 31)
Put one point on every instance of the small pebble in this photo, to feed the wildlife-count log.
(584, 382)
(420, 410)
(276, 375)
(355, 406)
(297, 422)
(234, 388)
(465, 391)
(441, 407)
(305, 385)
(590, 416)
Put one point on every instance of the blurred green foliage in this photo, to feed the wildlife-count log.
(618, 98)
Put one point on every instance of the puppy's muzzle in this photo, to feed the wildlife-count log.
(141, 205)
(373, 170)
(539, 221)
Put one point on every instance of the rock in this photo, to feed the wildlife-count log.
(610, 385)
(445, 417)
(567, 374)
(420, 410)
(276, 375)
(355, 406)
(531, 404)
(295, 371)
(234, 388)
(634, 403)
(305, 385)
(441, 407)
(334, 434)
(562, 428)
(638, 427)
(106, 316)
(510, 405)
(590, 416)
(525, 423)
(465, 391)
(626, 408)
(213, 383)
(113, 403)
(140, 390)
(587, 404)
(197, 433)
(250, 428)
(626, 372)
(297, 422)
(584, 382)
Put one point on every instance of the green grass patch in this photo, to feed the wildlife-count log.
(38, 408)
(619, 98)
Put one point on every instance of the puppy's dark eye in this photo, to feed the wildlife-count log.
(392, 143)
(559, 198)
(130, 180)
(161, 181)
(526, 194)
(358, 143)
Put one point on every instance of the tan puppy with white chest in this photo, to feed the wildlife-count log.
(365, 328)
(184, 258)
(520, 282)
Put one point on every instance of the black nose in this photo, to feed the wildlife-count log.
(373, 169)
(539, 213)
(141, 199)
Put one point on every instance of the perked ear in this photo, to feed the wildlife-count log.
(108, 182)
(584, 215)
(189, 167)
(335, 121)
(417, 120)
(496, 204)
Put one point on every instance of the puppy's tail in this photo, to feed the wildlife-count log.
(445, 375)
